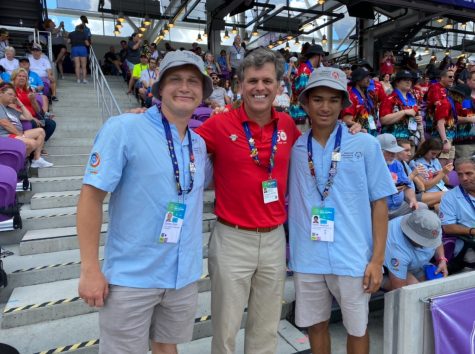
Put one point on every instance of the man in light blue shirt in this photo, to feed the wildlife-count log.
(413, 240)
(343, 179)
(154, 166)
(457, 212)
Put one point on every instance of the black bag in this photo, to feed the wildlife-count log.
(3, 276)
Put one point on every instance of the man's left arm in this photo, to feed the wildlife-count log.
(373, 275)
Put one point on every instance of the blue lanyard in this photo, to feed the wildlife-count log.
(409, 102)
(309, 65)
(467, 198)
(253, 148)
(367, 102)
(171, 150)
(333, 165)
(454, 110)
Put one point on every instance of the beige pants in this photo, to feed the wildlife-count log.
(246, 268)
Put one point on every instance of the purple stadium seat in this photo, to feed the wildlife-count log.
(8, 204)
(193, 124)
(453, 179)
(202, 113)
(12, 153)
(26, 125)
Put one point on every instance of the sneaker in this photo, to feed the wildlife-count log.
(78, 81)
(54, 98)
(40, 163)
(84, 81)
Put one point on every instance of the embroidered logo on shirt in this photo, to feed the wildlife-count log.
(395, 263)
(95, 160)
(233, 137)
(281, 136)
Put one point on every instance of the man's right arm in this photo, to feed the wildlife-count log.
(8, 126)
(93, 286)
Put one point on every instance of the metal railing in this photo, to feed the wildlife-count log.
(36, 37)
(105, 98)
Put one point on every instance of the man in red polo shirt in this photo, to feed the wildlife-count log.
(251, 147)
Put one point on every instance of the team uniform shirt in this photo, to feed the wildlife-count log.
(465, 133)
(401, 255)
(300, 82)
(435, 94)
(446, 110)
(130, 158)
(395, 103)
(362, 107)
(34, 80)
(399, 176)
(455, 209)
(40, 66)
(138, 68)
(377, 92)
(5, 77)
(362, 177)
(238, 179)
(9, 65)
(432, 168)
(148, 77)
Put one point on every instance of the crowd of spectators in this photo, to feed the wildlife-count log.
(423, 119)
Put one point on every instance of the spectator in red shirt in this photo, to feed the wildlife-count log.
(443, 115)
(465, 136)
(399, 111)
(363, 109)
(251, 147)
(386, 65)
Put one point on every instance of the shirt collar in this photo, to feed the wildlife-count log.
(243, 117)
(303, 142)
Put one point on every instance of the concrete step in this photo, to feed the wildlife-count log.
(67, 150)
(65, 238)
(59, 141)
(70, 159)
(70, 198)
(57, 184)
(51, 218)
(61, 171)
(31, 269)
(77, 132)
(52, 301)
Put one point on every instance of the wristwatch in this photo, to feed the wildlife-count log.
(445, 141)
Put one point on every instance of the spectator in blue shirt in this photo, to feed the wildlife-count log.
(404, 201)
(413, 240)
(457, 212)
(147, 289)
(34, 79)
(342, 179)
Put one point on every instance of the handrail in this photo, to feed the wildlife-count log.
(105, 97)
(23, 29)
(36, 36)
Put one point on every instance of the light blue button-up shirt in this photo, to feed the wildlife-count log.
(401, 255)
(130, 159)
(362, 177)
(432, 168)
(454, 209)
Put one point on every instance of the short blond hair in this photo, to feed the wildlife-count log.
(10, 49)
(15, 74)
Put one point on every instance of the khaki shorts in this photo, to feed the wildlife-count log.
(314, 296)
(131, 317)
(465, 150)
(448, 155)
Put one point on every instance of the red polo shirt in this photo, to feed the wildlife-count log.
(237, 178)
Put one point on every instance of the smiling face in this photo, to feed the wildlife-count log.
(259, 88)
(323, 105)
(181, 90)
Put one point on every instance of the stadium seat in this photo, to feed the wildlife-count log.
(13, 154)
(9, 208)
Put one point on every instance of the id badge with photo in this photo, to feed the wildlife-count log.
(412, 124)
(173, 223)
(323, 224)
(270, 191)
(371, 122)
